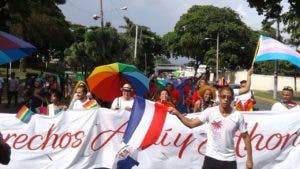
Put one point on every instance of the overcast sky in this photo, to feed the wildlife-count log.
(159, 15)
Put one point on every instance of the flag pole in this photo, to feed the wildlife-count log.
(256, 50)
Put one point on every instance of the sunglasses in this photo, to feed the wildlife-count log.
(126, 90)
(288, 88)
(226, 96)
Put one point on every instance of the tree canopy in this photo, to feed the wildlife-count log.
(149, 45)
(38, 22)
(273, 10)
(196, 33)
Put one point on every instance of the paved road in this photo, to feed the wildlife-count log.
(261, 105)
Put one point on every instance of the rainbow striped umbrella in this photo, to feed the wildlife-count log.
(106, 81)
(13, 48)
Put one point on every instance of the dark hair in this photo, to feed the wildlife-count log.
(58, 94)
(84, 88)
(243, 81)
(169, 83)
(288, 88)
(5, 152)
(162, 91)
(227, 88)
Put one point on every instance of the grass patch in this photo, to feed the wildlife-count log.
(264, 94)
(268, 95)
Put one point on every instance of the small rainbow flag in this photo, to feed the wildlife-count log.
(90, 104)
(24, 114)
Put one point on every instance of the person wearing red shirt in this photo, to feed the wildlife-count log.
(201, 82)
(175, 94)
(164, 98)
(187, 89)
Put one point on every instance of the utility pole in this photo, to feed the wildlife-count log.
(217, 65)
(276, 65)
(101, 14)
(135, 43)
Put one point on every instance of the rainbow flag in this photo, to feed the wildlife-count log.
(24, 114)
(271, 49)
(90, 104)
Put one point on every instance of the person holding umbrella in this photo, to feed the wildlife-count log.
(125, 101)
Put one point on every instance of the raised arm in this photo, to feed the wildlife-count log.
(248, 83)
(191, 123)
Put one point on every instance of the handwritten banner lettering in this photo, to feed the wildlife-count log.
(91, 139)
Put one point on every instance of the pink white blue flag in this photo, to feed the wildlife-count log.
(145, 123)
(271, 49)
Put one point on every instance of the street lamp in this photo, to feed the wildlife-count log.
(100, 16)
(217, 55)
(135, 39)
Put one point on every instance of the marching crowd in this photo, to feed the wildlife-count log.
(195, 96)
(51, 94)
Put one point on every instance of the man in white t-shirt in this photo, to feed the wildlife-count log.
(286, 102)
(80, 98)
(223, 123)
(125, 101)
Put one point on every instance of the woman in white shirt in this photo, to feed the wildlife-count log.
(56, 105)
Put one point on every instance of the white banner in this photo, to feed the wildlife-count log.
(91, 139)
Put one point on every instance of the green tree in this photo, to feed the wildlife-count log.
(38, 22)
(170, 44)
(78, 32)
(162, 60)
(236, 45)
(273, 12)
(95, 47)
(292, 23)
(105, 45)
(149, 45)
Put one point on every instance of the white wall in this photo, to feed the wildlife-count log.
(265, 82)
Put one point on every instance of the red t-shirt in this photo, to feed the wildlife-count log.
(187, 88)
(175, 94)
(195, 97)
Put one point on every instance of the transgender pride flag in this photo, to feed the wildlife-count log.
(271, 49)
(145, 123)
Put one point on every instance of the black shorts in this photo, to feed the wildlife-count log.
(211, 163)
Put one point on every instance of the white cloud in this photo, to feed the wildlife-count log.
(240, 10)
(159, 15)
